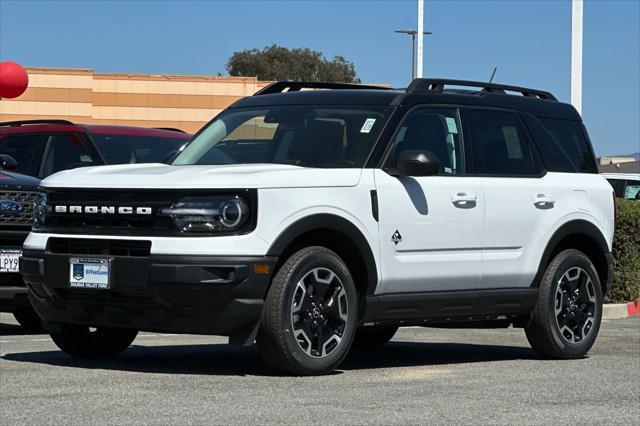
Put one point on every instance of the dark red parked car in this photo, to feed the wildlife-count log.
(35, 149)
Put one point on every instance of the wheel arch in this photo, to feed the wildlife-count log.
(581, 235)
(335, 233)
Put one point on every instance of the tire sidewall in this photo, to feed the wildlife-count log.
(318, 259)
(570, 259)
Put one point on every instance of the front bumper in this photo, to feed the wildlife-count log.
(219, 295)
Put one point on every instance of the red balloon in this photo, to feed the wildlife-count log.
(13, 80)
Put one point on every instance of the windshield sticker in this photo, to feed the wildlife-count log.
(368, 125)
(451, 125)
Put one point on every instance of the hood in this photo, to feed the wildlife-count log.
(10, 180)
(224, 177)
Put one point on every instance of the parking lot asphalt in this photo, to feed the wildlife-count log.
(424, 376)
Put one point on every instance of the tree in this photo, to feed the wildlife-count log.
(279, 63)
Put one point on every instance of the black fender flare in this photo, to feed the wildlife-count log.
(335, 223)
(573, 227)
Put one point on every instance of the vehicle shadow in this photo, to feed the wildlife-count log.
(221, 359)
(15, 330)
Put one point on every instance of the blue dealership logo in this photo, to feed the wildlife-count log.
(10, 207)
(78, 271)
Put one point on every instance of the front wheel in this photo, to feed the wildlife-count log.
(85, 342)
(566, 319)
(309, 317)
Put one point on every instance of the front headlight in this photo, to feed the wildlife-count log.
(41, 209)
(211, 214)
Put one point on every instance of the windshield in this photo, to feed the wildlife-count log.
(127, 149)
(302, 135)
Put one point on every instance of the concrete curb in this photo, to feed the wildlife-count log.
(620, 310)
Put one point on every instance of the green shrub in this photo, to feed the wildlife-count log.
(626, 250)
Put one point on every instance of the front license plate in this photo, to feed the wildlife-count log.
(10, 260)
(89, 273)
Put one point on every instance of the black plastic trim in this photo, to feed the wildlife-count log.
(576, 227)
(335, 223)
(165, 293)
(374, 205)
(437, 307)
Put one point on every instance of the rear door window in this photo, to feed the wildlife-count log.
(26, 150)
(569, 139)
(500, 145)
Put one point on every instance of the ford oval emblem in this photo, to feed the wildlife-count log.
(10, 207)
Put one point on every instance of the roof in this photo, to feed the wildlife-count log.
(429, 91)
(629, 167)
(63, 126)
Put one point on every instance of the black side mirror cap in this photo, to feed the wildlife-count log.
(7, 162)
(417, 163)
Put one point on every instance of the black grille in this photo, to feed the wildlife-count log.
(107, 223)
(24, 218)
(152, 224)
(80, 246)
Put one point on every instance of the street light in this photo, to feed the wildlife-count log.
(413, 33)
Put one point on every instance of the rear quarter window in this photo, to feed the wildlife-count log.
(568, 143)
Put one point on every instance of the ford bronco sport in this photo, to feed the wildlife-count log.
(311, 220)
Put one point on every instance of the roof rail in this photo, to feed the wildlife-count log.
(438, 84)
(171, 129)
(295, 86)
(42, 121)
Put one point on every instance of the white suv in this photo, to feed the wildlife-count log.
(313, 220)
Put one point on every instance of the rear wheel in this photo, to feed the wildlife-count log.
(309, 317)
(85, 342)
(28, 319)
(566, 319)
(369, 337)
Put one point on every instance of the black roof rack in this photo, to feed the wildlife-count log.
(295, 86)
(437, 85)
(43, 121)
(171, 129)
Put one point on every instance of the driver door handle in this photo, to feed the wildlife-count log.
(463, 199)
(543, 200)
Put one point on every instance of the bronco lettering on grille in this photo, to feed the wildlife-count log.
(103, 209)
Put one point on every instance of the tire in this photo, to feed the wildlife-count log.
(371, 337)
(312, 296)
(565, 322)
(82, 342)
(28, 319)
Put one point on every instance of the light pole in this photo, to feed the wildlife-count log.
(413, 33)
(576, 54)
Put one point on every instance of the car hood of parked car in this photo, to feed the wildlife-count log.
(224, 176)
(16, 181)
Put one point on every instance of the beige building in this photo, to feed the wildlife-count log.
(84, 96)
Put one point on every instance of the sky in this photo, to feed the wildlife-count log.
(529, 42)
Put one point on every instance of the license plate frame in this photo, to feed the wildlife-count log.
(10, 255)
(92, 273)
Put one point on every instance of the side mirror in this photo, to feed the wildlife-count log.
(417, 163)
(7, 162)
